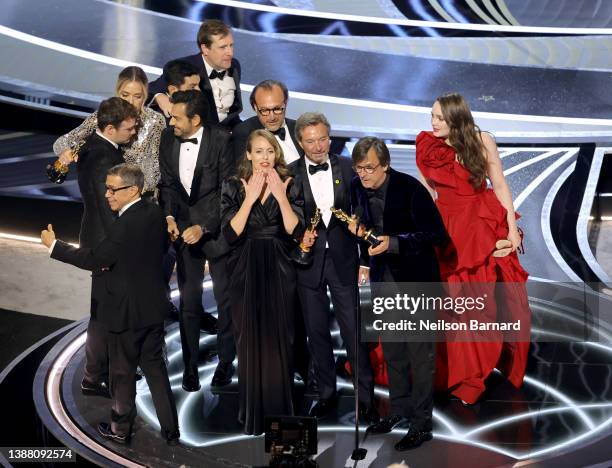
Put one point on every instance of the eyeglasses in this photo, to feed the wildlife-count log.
(366, 169)
(112, 190)
(276, 111)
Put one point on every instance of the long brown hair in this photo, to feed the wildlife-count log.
(464, 136)
(245, 169)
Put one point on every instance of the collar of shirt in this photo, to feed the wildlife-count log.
(197, 135)
(122, 210)
(101, 135)
(209, 69)
(311, 163)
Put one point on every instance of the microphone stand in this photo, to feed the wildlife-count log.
(358, 453)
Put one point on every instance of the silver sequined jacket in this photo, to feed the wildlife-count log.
(144, 151)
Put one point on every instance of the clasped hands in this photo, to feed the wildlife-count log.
(257, 185)
(191, 235)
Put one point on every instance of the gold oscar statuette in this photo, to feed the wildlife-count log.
(58, 171)
(369, 236)
(302, 254)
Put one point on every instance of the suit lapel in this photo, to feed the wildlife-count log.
(174, 162)
(337, 180)
(390, 198)
(309, 201)
(291, 126)
(197, 173)
(207, 90)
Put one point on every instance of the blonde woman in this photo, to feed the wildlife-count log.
(143, 150)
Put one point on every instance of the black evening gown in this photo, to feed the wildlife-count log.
(263, 299)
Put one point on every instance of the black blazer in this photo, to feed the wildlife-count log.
(233, 117)
(411, 215)
(342, 244)
(202, 206)
(132, 292)
(241, 133)
(95, 159)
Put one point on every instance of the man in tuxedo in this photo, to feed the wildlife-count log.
(219, 76)
(324, 180)
(134, 303)
(400, 207)
(116, 125)
(194, 159)
(269, 101)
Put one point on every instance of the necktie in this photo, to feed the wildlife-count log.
(189, 140)
(215, 74)
(280, 133)
(313, 169)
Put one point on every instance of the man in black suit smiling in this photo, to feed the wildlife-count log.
(269, 101)
(134, 304)
(219, 76)
(324, 180)
(194, 159)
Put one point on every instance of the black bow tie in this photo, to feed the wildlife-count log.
(281, 133)
(216, 74)
(189, 140)
(313, 169)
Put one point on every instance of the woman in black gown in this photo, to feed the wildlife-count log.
(259, 216)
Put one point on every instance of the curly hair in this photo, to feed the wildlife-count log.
(464, 136)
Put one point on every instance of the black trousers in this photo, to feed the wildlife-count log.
(411, 367)
(96, 345)
(315, 307)
(190, 275)
(129, 349)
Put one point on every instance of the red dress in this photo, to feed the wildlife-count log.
(475, 220)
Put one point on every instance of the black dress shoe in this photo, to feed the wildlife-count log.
(368, 414)
(413, 440)
(95, 389)
(386, 425)
(208, 323)
(323, 408)
(223, 374)
(172, 438)
(191, 382)
(105, 431)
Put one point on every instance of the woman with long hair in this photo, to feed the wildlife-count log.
(143, 151)
(456, 159)
(260, 213)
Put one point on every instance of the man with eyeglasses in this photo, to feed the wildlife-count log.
(400, 207)
(117, 124)
(132, 304)
(324, 180)
(269, 101)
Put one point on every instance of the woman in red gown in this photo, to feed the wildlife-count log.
(456, 159)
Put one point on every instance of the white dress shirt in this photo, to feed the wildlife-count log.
(289, 150)
(188, 156)
(322, 187)
(224, 91)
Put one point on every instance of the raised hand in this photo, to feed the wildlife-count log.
(277, 187)
(47, 236)
(253, 187)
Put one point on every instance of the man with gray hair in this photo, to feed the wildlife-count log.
(269, 101)
(134, 305)
(325, 180)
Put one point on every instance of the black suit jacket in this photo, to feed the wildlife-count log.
(203, 205)
(132, 292)
(233, 117)
(411, 215)
(342, 244)
(95, 159)
(241, 133)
